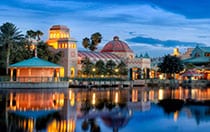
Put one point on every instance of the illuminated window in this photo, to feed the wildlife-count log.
(51, 35)
(72, 72)
(207, 54)
(62, 72)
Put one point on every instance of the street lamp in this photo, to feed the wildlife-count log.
(116, 71)
(93, 70)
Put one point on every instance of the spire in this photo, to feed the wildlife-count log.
(116, 38)
(146, 55)
(140, 56)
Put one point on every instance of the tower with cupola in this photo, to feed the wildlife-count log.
(60, 40)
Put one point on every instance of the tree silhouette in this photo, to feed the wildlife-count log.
(93, 42)
(171, 65)
(9, 35)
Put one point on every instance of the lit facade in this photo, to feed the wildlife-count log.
(35, 70)
(60, 40)
(115, 50)
(200, 57)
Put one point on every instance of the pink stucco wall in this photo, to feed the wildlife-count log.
(35, 74)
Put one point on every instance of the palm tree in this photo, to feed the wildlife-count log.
(30, 34)
(9, 35)
(86, 42)
(95, 40)
(34, 36)
(92, 43)
(39, 34)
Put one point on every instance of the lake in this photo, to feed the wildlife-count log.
(105, 109)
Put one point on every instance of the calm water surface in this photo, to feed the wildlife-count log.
(106, 110)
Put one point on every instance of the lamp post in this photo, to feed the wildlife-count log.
(116, 71)
(93, 70)
(34, 46)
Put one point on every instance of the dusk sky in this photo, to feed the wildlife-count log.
(153, 26)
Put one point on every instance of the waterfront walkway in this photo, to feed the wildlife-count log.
(46, 82)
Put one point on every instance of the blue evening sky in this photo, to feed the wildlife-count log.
(153, 26)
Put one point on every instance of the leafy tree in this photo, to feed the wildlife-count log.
(2, 61)
(34, 38)
(171, 65)
(122, 68)
(25, 49)
(20, 51)
(93, 42)
(110, 65)
(44, 52)
(100, 67)
(31, 34)
(87, 66)
(9, 35)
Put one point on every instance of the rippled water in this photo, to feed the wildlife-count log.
(105, 110)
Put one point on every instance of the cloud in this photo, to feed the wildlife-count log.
(192, 9)
(204, 36)
(152, 23)
(164, 43)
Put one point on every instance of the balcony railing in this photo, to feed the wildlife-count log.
(31, 79)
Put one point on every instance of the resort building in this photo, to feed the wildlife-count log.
(35, 70)
(187, 54)
(116, 50)
(60, 40)
(200, 58)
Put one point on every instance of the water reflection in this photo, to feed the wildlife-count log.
(109, 109)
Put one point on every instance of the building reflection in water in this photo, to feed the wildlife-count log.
(51, 110)
(139, 99)
(194, 102)
(58, 110)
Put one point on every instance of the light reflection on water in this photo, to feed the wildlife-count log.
(105, 109)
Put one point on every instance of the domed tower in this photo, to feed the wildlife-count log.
(119, 48)
(60, 40)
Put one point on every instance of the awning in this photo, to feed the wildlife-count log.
(191, 73)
